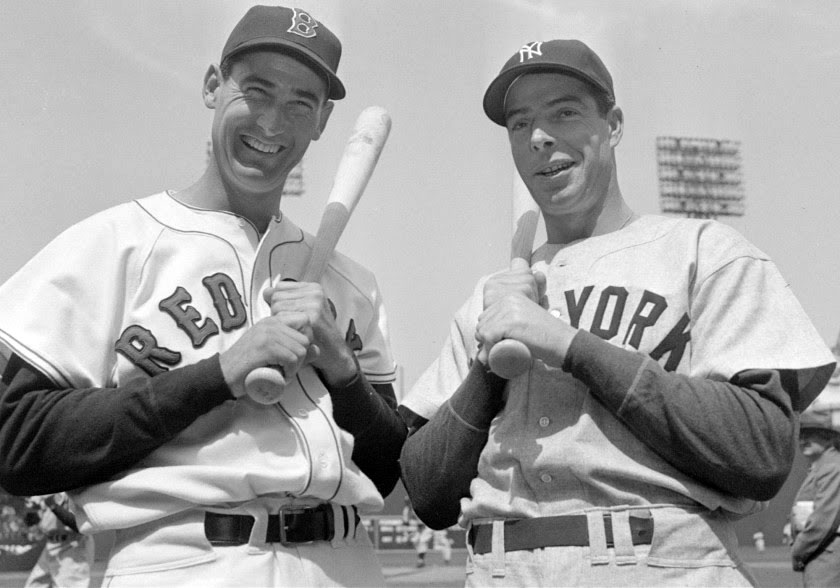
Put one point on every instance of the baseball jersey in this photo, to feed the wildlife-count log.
(153, 284)
(694, 296)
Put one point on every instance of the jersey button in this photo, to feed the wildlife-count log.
(544, 422)
(555, 313)
(301, 412)
(546, 478)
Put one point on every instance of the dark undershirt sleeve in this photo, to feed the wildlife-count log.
(369, 413)
(440, 458)
(53, 439)
(736, 436)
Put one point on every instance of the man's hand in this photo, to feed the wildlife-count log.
(280, 340)
(333, 358)
(512, 310)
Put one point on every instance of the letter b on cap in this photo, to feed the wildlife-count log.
(303, 24)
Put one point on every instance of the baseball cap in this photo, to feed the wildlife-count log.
(568, 56)
(817, 419)
(292, 31)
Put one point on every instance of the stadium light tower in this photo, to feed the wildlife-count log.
(700, 178)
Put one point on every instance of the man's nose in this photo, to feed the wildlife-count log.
(272, 121)
(541, 140)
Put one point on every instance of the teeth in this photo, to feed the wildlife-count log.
(260, 146)
(557, 168)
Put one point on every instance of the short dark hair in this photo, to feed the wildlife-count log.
(604, 101)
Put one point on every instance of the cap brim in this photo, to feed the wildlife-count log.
(494, 97)
(335, 91)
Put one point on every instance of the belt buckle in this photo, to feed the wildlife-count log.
(281, 515)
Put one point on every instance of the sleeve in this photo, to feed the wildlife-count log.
(822, 525)
(440, 380)
(746, 317)
(736, 436)
(61, 311)
(369, 413)
(55, 439)
(440, 459)
(375, 358)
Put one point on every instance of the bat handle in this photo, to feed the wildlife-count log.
(265, 385)
(509, 358)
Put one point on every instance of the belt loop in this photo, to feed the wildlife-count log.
(470, 553)
(341, 522)
(498, 549)
(625, 553)
(598, 553)
(354, 521)
(256, 542)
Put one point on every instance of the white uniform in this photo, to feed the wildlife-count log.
(694, 296)
(152, 285)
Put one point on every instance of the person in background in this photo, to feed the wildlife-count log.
(815, 516)
(67, 557)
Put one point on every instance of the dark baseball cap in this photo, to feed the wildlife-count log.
(568, 56)
(292, 31)
(818, 419)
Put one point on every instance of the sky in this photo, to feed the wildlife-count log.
(102, 104)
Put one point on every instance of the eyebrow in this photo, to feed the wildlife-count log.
(255, 78)
(553, 102)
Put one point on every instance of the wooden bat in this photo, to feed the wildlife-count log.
(265, 385)
(509, 358)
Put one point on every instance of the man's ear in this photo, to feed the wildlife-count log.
(326, 111)
(212, 83)
(615, 119)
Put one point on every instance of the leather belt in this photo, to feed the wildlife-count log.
(558, 531)
(289, 526)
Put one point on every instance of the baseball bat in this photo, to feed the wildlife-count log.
(509, 358)
(265, 384)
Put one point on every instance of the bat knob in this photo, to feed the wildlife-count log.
(509, 358)
(265, 385)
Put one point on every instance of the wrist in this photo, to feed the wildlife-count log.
(339, 369)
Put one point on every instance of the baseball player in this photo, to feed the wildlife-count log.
(133, 333)
(67, 557)
(669, 360)
(815, 515)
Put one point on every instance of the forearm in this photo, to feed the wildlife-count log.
(52, 440)
(440, 459)
(736, 436)
(369, 413)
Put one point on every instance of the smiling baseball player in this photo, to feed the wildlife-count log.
(134, 330)
(670, 358)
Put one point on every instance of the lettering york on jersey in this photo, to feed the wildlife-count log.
(611, 307)
(141, 347)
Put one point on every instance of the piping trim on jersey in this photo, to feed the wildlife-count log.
(305, 443)
(247, 294)
(275, 217)
(48, 367)
(336, 441)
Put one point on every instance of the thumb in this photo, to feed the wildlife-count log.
(520, 265)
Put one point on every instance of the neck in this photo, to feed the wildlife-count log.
(611, 214)
(210, 192)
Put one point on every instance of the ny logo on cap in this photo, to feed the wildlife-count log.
(303, 24)
(530, 50)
